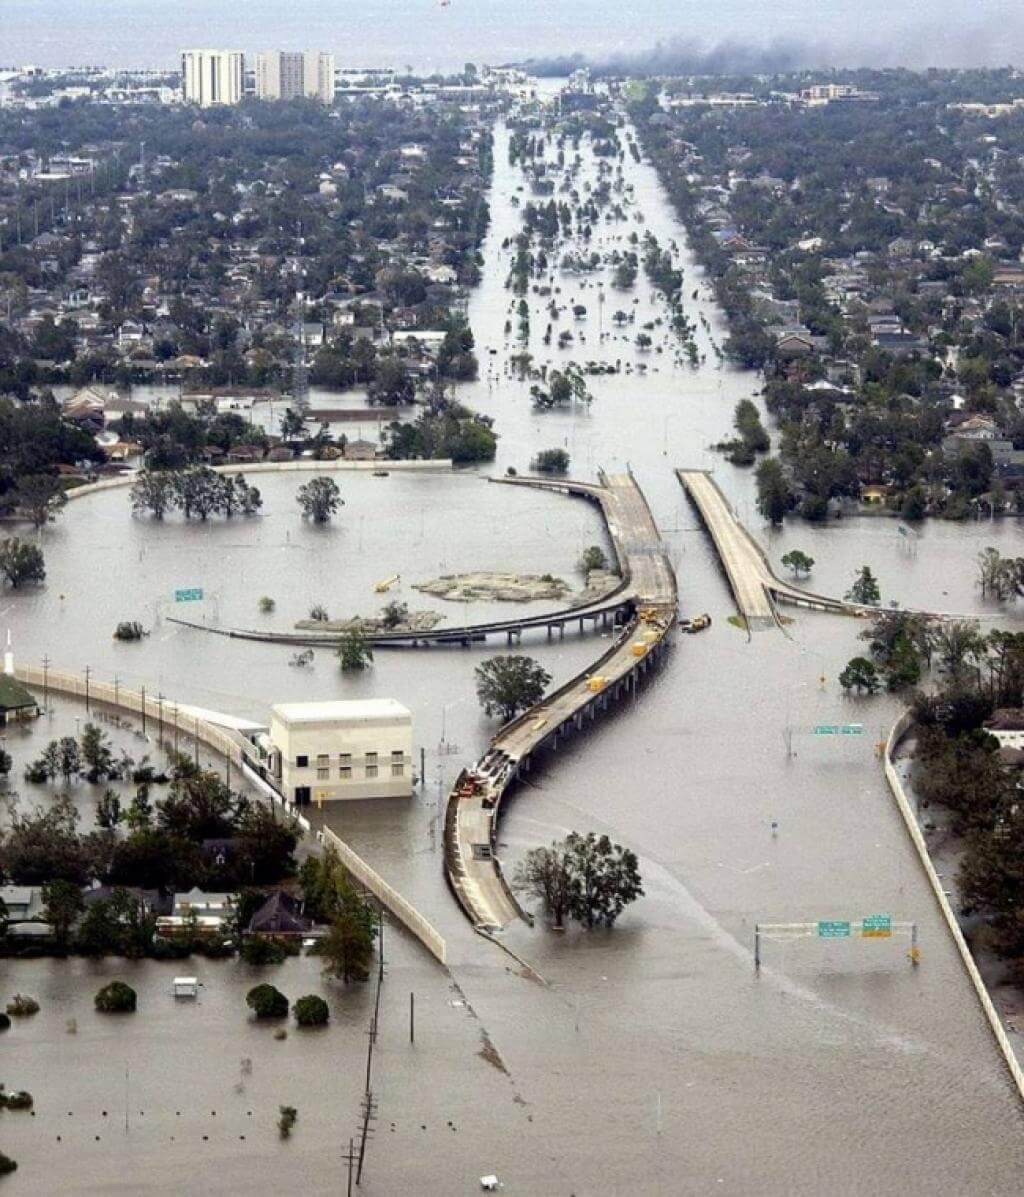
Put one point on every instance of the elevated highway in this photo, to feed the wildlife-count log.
(754, 585)
(474, 805)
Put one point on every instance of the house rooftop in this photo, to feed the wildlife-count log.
(13, 695)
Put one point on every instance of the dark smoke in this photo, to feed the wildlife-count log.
(917, 47)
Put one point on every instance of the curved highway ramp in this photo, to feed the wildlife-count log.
(473, 809)
(754, 585)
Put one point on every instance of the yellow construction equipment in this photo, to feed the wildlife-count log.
(385, 586)
(596, 684)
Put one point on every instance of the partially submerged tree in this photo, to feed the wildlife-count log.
(585, 877)
(21, 562)
(865, 588)
(354, 652)
(861, 675)
(798, 562)
(319, 499)
(509, 684)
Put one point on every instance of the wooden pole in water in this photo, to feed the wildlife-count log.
(412, 1017)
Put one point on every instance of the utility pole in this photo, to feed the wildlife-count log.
(46, 679)
(369, 1108)
(350, 1158)
(412, 1017)
(87, 672)
(143, 705)
(160, 718)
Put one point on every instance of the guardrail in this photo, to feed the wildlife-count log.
(164, 714)
(898, 733)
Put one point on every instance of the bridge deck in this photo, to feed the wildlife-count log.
(474, 805)
(753, 583)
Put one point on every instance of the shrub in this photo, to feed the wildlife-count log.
(7, 1164)
(129, 629)
(20, 1006)
(267, 1002)
(287, 1120)
(266, 604)
(5, 1022)
(593, 558)
(311, 1011)
(257, 950)
(116, 998)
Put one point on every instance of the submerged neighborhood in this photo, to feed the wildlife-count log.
(510, 598)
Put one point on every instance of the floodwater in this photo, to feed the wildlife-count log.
(651, 1060)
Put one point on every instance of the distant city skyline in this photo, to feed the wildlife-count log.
(425, 34)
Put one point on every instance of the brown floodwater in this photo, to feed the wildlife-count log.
(651, 1060)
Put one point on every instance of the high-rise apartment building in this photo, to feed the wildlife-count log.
(287, 74)
(210, 77)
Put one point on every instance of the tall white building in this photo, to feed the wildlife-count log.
(288, 74)
(318, 76)
(210, 77)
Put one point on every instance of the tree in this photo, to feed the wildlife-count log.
(394, 614)
(311, 1011)
(347, 948)
(116, 998)
(21, 562)
(960, 647)
(551, 461)
(320, 499)
(860, 674)
(544, 874)
(774, 497)
(267, 1002)
(70, 758)
(199, 491)
(354, 652)
(293, 425)
(95, 751)
(108, 810)
(586, 877)
(593, 558)
(864, 589)
(62, 905)
(798, 562)
(41, 497)
(392, 383)
(605, 878)
(153, 491)
(509, 684)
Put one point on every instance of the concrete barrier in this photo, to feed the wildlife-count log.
(301, 465)
(402, 909)
(898, 733)
(160, 712)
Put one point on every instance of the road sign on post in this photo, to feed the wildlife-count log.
(191, 594)
(839, 729)
(833, 930)
(876, 926)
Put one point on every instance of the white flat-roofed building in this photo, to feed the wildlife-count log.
(332, 751)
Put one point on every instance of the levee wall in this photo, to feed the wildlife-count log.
(898, 733)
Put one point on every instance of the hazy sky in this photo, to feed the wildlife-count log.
(422, 32)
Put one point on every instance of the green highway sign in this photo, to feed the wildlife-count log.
(833, 930)
(192, 594)
(876, 926)
(839, 729)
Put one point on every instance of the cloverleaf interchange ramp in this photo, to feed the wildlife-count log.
(474, 805)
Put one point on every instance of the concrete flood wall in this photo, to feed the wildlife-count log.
(899, 732)
(162, 713)
(300, 465)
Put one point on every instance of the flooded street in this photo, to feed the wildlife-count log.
(651, 1060)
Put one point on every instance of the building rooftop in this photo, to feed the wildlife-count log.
(336, 711)
(13, 695)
